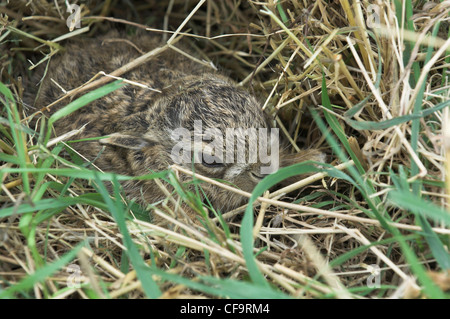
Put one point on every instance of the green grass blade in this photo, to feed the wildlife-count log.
(49, 203)
(354, 252)
(337, 128)
(437, 248)
(17, 135)
(430, 288)
(144, 272)
(41, 274)
(372, 125)
(415, 125)
(82, 101)
(85, 99)
(83, 173)
(417, 205)
(406, 6)
(283, 14)
(247, 222)
(242, 290)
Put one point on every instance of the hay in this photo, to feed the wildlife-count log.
(281, 51)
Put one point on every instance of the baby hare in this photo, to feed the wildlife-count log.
(142, 127)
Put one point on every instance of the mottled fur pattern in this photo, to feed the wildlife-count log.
(139, 121)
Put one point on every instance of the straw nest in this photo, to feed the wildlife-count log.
(316, 238)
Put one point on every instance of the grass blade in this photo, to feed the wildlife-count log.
(117, 210)
(247, 221)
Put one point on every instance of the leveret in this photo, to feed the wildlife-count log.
(138, 122)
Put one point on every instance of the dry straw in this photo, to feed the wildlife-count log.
(280, 50)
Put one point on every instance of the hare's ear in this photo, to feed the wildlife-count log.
(128, 141)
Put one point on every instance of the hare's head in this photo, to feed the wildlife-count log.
(206, 123)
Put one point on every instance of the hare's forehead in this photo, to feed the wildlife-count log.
(263, 136)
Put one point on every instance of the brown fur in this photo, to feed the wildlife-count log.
(139, 121)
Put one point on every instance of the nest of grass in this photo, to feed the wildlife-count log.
(366, 83)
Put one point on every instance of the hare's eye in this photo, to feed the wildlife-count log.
(212, 164)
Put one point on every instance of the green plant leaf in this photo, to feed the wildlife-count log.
(116, 208)
(417, 205)
(247, 222)
(41, 274)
